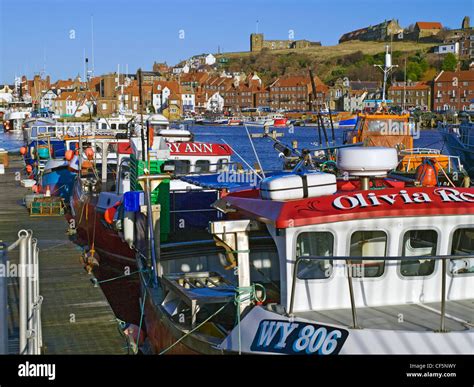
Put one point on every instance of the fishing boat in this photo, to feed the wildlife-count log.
(382, 128)
(273, 119)
(347, 123)
(311, 264)
(185, 207)
(235, 121)
(457, 138)
(13, 120)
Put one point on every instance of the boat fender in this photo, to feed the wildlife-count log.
(23, 150)
(129, 227)
(135, 333)
(466, 182)
(109, 213)
(69, 155)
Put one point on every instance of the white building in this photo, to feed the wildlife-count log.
(446, 48)
(354, 100)
(210, 59)
(160, 97)
(47, 99)
(215, 103)
(188, 102)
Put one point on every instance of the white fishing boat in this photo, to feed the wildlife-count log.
(311, 264)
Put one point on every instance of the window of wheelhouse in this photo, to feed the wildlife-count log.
(222, 165)
(418, 243)
(368, 244)
(181, 167)
(202, 166)
(463, 244)
(316, 244)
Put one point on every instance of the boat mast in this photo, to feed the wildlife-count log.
(386, 70)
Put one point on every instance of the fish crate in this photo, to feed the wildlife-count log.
(47, 206)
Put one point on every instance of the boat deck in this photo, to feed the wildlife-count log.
(76, 316)
(412, 317)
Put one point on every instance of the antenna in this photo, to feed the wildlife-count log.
(386, 69)
(84, 65)
(92, 42)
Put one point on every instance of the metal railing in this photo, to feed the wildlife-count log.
(349, 264)
(30, 301)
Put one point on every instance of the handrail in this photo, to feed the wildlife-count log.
(30, 300)
(349, 263)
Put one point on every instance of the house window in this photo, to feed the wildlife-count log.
(418, 243)
(319, 244)
(368, 244)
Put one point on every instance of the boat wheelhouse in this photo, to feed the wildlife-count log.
(308, 264)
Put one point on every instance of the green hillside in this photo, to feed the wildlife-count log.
(354, 59)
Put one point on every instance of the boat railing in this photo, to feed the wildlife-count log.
(417, 151)
(349, 264)
(30, 301)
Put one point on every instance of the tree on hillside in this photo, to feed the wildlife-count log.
(450, 62)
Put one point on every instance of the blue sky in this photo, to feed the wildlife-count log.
(55, 33)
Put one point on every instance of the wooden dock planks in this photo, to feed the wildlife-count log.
(76, 316)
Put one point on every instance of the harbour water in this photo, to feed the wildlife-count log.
(237, 138)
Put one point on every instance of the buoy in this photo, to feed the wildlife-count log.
(35, 189)
(29, 168)
(23, 150)
(109, 213)
(48, 192)
(89, 153)
(86, 164)
(133, 331)
(427, 174)
(69, 155)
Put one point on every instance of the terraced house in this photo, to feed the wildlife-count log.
(453, 90)
(411, 95)
(294, 92)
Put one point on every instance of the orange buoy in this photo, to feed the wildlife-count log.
(89, 153)
(23, 150)
(86, 164)
(109, 213)
(427, 174)
(69, 155)
(29, 168)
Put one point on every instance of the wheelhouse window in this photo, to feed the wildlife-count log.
(463, 244)
(202, 166)
(320, 244)
(368, 244)
(222, 165)
(181, 167)
(418, 243)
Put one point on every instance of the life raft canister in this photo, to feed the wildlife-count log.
(427, 173)
(109, 213)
